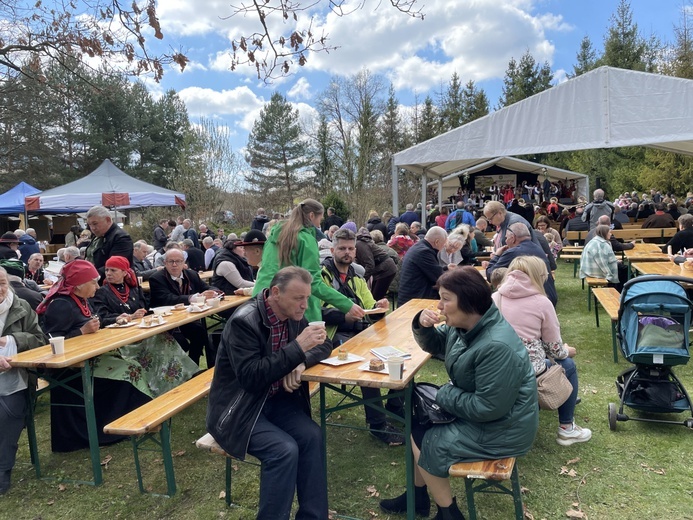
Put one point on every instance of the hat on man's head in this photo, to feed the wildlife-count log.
(13, 267)
(9, 238)
(253, 237)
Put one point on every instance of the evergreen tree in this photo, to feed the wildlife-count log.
(586, 58)
(524, 79)
(322, 156)
(624, 47)
(451, 105)
(277, 154)
(428, 121)
(474, 103)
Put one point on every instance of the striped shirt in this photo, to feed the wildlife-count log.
(279, 335)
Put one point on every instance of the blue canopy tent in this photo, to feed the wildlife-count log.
(12, 201)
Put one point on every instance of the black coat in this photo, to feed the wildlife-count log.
(63, 317)
(376, 223)
(245, 270)
(419, 273)
(108, 306)
(33, 298)
(116, 242)
(164, 291)
(196, 259)
(160, 238)
(245, 369)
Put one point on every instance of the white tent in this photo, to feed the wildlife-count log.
(107, 185)
(604, 108)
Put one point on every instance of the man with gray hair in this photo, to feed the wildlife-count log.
(518, 242)
(70, 254)
(109, 240)
(409, 216)
(190, 233)
(140, 263)
(420, 268)
(210, 250)
(597, 208)
(195, 257)
(28, 245)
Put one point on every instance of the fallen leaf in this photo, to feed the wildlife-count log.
(575, 514)
(106, 460)
(594, 391)
(222, 495)
(573, 461)
(373, 514)
(393, 464)
(50, 502)
(62, 487)
(179, 453)
(569, 472)
(524, 490)
(372, 491)
(526, 514)
(234, 467)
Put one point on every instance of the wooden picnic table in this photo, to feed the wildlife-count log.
(662, 268)
(81, 351)
(644, 253)
(204, 275)
(395, 330)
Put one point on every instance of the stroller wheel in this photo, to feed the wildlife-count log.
(613, 414)
(688, 423)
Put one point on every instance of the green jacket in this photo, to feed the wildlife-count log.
(357, 284)
(492, 389)
(307, 256)
(22, 324)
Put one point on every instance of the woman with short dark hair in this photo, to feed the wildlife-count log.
(492, 390)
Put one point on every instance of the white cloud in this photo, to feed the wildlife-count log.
(300, 90)
(208, 102)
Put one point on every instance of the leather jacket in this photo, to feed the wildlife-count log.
(245, 369)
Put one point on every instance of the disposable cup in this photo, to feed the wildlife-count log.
(214, 302)
(139, 280)
(200, 300)
(317, 324)
(577, 244)
(58, 345)
(395, 366)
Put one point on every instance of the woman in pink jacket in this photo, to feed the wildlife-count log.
(523, 303)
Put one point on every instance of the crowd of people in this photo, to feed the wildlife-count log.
(501, 330)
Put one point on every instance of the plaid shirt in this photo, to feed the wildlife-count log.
(279, 334)
(599, 261)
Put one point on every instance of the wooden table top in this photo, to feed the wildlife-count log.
(88, 346)
(662, 268)
(646, 253)
(395, 330)
(204, 275)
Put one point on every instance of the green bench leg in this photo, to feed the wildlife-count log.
(517, 494)
(164, 443)
(228, 481)
(596, 311)
(613, 341)
(490, 486)
(589, 299)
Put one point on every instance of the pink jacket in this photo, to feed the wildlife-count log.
(531, 315)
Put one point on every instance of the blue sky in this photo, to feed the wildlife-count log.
(475, 38)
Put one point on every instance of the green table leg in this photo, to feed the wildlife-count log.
(613, 341)
(88, 387)
(409, 455)
(323, 427)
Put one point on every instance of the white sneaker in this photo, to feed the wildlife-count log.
(577, 434)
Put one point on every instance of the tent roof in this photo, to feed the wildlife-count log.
(107, 185)
(12, 201)
(604, 108)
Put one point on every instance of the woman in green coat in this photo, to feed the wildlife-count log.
(492, 390)
(293, 242)
(19, 331)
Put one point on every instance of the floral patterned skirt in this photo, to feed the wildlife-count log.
(153, 366)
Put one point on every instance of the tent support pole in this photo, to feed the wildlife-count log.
(440, 194)
(424, 196)
(395, 188)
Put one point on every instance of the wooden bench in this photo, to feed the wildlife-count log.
(610, 299)
(485, 477)
(573, 255)
(151, 422)
(659, 235)
(591, 284)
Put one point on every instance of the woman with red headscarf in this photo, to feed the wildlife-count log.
(66, 311)
(154, 365)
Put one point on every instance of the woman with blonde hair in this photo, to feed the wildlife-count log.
(401, 241)
(523, 303)
(293, 242)
(375, 222)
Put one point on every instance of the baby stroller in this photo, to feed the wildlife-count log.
(653, 324)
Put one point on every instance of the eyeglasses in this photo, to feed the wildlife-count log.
(175, 262)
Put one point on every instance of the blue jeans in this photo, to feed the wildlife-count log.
(289, 445)
(567, 409)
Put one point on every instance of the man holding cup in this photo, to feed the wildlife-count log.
(258, 404)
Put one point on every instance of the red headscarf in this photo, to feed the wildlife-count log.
(122, 263)
(73, 274)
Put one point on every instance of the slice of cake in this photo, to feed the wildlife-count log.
(376, 365)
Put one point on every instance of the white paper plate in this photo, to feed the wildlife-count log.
(202, 309)
(143, 326)
(375, 311)
(125, 326)
(385, 371)
(335, 362)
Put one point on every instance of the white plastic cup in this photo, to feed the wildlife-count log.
(395, 367)
(317, 324)
(200, 300)
(577, 244)
(139, 280)
(214, 302)
(58, 345)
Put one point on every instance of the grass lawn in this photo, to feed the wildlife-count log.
(640, 471)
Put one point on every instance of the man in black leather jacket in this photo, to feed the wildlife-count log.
(258, 404)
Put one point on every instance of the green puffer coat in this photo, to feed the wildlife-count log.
(305, 255)
(493, 391)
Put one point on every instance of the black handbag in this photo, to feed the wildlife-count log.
(425, 409)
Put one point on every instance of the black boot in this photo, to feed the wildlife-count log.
(5, 481)
(451, 512)
(422, 503)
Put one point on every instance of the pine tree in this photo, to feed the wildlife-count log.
(277, 154)
(586, 58)
(524, 79)
(624, 47)
(474, 103)
(451, 105)
(428, 121)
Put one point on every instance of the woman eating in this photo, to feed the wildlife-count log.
(66, 311)
(19, 331)
(492, 391)
(154, 365)
(523, 303)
